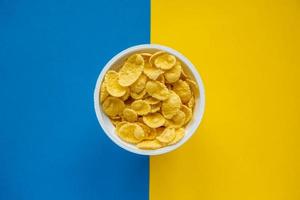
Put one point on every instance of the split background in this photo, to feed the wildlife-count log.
(247, 147)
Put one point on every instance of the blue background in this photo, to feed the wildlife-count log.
(51, 145)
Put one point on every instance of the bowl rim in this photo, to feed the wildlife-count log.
(199, 113)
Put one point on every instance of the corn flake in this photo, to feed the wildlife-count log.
(173, 75)
(166, 136)
(184, 74)
(126, 95)
(157, 90)
(129, 115)
(118, 126)
(113, 106)
(164, 61)
(179, 118)
(149, 144)
(154, 120)
(188, 113)
(191, 102)
(151, 71)
(155, 107)
(171, 106)
(154, 56)
(193, 85)
(141, 107)
(131, 70)
(112, 85)
(176, 121)
(131, 132)
(138, 95)
(103, 92)
(179, 133)
(183, 90)
(139, 84)
(151, 100)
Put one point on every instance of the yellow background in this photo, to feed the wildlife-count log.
(248, 146)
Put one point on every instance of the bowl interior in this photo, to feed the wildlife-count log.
(115, 63)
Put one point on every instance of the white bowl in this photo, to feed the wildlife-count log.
(114, 63)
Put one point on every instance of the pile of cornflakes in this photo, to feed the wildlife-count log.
(149, 100)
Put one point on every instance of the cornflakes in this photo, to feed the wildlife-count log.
(149, 100)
